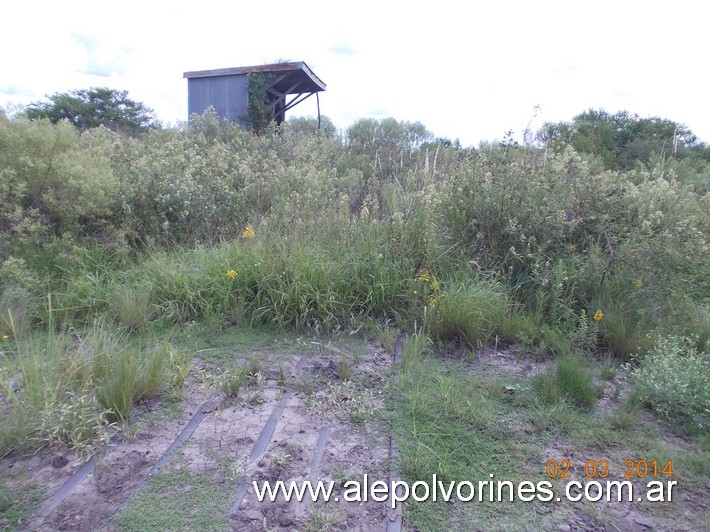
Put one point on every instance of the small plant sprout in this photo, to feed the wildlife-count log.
(344, 369)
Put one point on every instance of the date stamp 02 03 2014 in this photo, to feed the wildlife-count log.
(633, 469)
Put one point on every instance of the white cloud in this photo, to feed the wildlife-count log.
(466, 70)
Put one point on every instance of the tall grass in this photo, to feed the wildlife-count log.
(67, 386)
(308, 284)
(522, 243)
(473, 311)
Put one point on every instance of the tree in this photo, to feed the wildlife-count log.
(622, 139)
(385, 147)
(87, 108)
(301, 126)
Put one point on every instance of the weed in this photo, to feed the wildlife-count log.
(181, 366)
(343, 369)
(306, 385)
(471, 312)
(19, 498)
(347, 400)
(572, 379)
(624, 418)
(281, 459)
(386, 336)
(15, 316)
(256, 398)
(253, 367)
(547, 388)
(231, 380)
(414, 349)
(129, 374)
(342, 475)
(674, 379)
(358, 350)
(608, 369)
(322, 520)
(66, 387)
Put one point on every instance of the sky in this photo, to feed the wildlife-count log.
(467, 70)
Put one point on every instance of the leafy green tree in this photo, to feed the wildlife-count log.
(88, 108)
(620, 140)
(302, 126)
(388, 145)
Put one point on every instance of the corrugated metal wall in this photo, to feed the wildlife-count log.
(229, 95)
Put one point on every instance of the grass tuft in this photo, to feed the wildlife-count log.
(572, 379)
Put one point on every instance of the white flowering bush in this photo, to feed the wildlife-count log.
(674, 380)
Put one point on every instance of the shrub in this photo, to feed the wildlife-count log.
(674, 380)
(53, 181)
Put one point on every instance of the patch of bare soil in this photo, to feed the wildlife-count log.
(323, 434)
(509, 360)
(295, 419)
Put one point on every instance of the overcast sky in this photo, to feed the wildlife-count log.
(468, 70)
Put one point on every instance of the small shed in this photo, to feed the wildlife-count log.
(229, 90)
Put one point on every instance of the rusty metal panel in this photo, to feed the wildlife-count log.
(229, 95)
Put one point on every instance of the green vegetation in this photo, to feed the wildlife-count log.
(18, 499)
(74, 383)
(97, 106)
(674, 379)
(464, 420)
(176, 498)
(572, 379)
(261, 107)
(623, 140)
(591, 246)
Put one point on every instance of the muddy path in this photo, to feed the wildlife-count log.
(300, 415)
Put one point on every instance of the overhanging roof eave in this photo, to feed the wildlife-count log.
(298, 67)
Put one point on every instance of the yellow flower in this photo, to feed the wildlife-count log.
(231, 274)
(598, 315)
(426, 277)
(414, 292)
(638, 283)
(434, 283)
(432, 301)
(248, 232)
(423, 275)
(5, 337)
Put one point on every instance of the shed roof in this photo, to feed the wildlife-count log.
(294, 78)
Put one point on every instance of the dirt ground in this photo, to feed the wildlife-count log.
(295, 419)
(303, 414)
